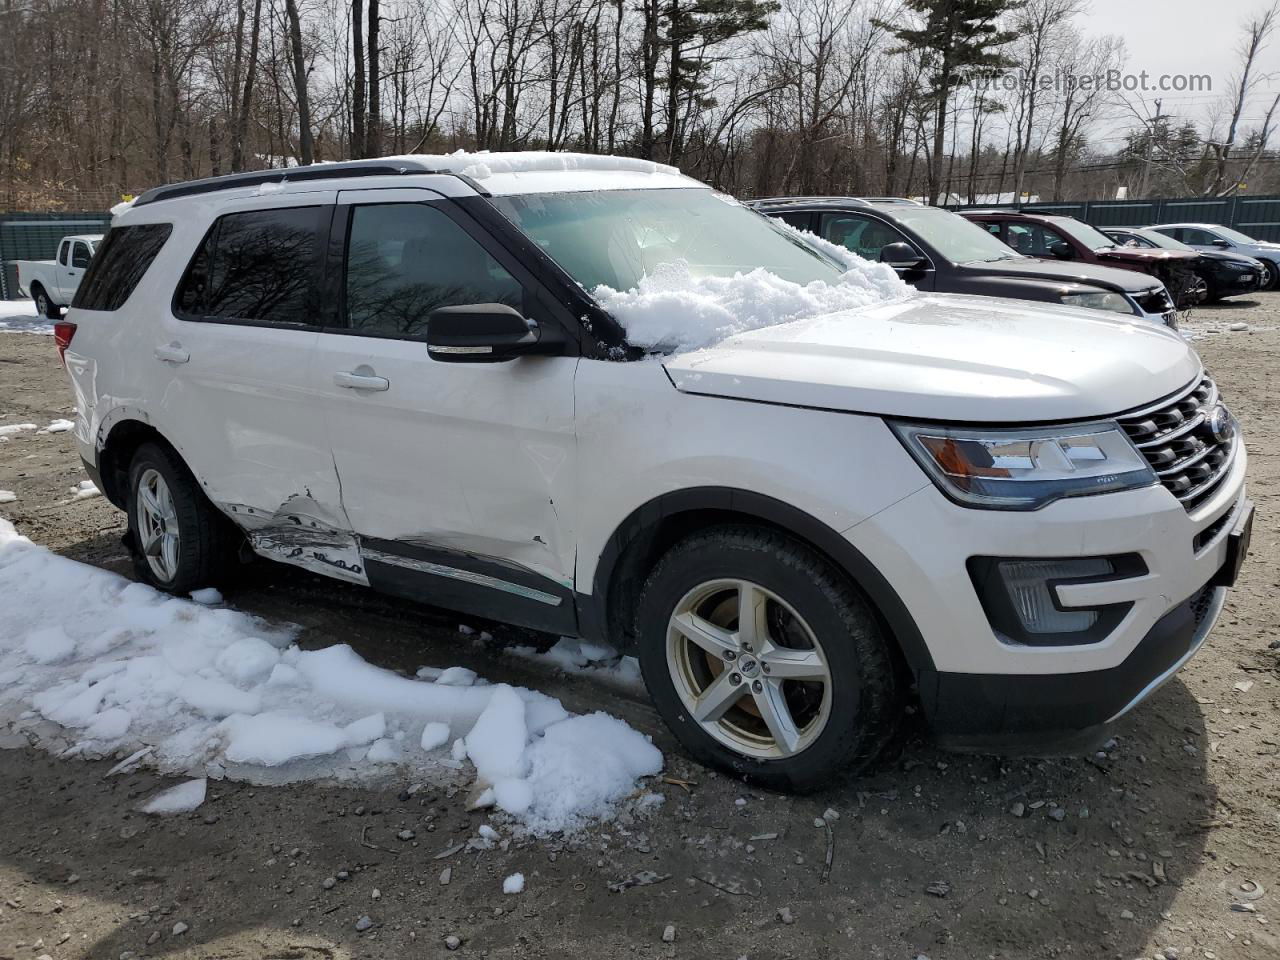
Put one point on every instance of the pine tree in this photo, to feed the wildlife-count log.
(959, 39)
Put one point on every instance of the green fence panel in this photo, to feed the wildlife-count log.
(35, 236)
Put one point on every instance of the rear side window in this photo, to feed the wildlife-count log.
(258, 266)
(123, 258)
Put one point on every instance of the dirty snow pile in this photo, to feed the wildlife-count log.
(672, 310)
(92, 664)
(21, 316)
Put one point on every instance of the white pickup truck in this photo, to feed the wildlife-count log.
(52, 283)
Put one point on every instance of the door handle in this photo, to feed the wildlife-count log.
(172, 353)
(361, 381)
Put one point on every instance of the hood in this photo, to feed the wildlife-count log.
(1062, 271)
(1144, 257)
(955, 358)
(1223, 255)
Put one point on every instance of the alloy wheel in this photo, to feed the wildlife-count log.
(158, 525)
(749, 669)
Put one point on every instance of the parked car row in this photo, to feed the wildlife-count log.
(1033, 256)
(402, 374)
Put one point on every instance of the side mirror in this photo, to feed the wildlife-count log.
(480, 333)
(1219, 242)
(901, 256)
(1062, 251)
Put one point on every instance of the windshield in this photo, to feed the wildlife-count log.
(1235, 236)
(957, 239)
(1091, 237)
(614, 238)
(1157, 239)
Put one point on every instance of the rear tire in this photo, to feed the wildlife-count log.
(179, 540)
(805, 697)
(44, 306)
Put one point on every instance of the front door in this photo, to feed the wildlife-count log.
(69, 276)
(457, 477)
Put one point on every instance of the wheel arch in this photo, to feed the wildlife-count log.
(647, 533)
(116, 452)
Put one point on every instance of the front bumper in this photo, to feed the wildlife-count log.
(1065, 712)
(983, 691)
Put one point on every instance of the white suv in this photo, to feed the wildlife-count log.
(394, 372)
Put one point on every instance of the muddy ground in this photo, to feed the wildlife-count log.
(1158, 835)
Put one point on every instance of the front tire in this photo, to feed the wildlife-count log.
(180, 542)
(44, 306)
(799, 695)
(1271, 279)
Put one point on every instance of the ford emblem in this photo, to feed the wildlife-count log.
(1221, 424)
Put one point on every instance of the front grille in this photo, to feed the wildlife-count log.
(1177, 441)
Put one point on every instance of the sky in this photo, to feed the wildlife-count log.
(1186, 37)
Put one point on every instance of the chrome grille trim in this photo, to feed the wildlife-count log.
(1175, 437)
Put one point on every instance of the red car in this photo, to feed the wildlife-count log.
(1066, 238)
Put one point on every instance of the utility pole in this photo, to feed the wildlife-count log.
(1151, 145)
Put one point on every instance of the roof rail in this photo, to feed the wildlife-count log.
(904, 200)
(317, 171)
(764, 200)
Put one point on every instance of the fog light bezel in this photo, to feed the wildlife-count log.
(997, 601)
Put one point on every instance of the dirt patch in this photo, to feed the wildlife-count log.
(1121, 855)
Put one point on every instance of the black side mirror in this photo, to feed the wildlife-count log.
(1062, 251)
(1219, 242)
(480, 333)
(901, 256)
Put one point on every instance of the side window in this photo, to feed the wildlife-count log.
(123, 258)
(406, 259)
(801, 221)
(80, 255)
(1033, 240)
(62, 252)
(863, 236)
(1202, 238)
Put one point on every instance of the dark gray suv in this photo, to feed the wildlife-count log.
(934, 249)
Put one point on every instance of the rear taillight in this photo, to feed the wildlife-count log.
(62, 334)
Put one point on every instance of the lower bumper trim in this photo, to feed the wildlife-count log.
(1064, 712)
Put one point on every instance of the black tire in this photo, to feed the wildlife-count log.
(44, 305)
(1275, 275)
(865, 702)
(206, 552)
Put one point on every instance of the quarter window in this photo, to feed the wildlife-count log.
(406, 259)
(122, 260)
(260, 265)
(62, 252)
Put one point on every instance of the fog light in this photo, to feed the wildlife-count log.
(1031, 589)
(1020, 597)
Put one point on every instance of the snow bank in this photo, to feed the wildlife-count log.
(21, 316)
(672, 310)
(91, 664)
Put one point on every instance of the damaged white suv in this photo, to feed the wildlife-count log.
(450, 378)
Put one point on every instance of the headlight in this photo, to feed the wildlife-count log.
(1114, 302)
(1025, 469)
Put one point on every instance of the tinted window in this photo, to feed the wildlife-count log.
(801, 221)
(259, 265)
(123, 258)
(62, 253)
(406, 259)
(80, 255)
(863, 236)
(1034, 240)
(1202, 238)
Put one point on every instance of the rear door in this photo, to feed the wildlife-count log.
(240, 400)
(457, 477)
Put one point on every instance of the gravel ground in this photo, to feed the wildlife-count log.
(1138, 853)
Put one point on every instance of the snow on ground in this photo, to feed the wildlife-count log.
(85, 489)
(583, 658)
(20, 316)
(183, 798)
(672, 310)
(94, 665)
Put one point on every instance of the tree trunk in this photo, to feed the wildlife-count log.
(373, 122)
(306, 147)
(358, 94)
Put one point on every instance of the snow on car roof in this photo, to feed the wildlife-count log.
(545, 171)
